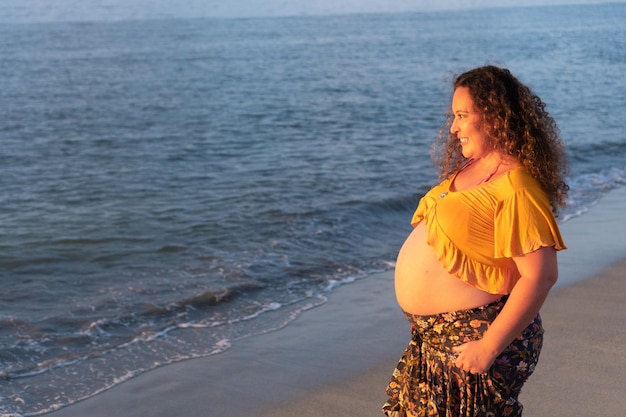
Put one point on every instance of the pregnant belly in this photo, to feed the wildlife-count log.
(423, 286)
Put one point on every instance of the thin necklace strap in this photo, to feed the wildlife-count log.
(488, 177)
(492, 173)
(468, 163)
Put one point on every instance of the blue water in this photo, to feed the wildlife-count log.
(171, 186)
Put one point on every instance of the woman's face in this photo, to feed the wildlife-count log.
(467, 125)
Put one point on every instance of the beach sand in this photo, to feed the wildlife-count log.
(336, 360)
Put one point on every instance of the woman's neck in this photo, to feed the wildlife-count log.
(477, 171)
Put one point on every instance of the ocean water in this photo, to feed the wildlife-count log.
(172, 186)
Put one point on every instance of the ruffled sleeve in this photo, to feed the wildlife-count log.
(427, 203)
(524, 223)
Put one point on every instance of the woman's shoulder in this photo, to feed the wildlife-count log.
(520, 186)
(519, 178)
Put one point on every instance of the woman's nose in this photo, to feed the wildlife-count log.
(454, 129)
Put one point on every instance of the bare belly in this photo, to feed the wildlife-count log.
(424, 287)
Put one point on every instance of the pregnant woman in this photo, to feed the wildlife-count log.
(482, 257)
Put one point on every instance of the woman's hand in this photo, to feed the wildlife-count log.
(538, 272)
(474, 357)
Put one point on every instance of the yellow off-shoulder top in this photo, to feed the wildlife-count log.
(476, 232)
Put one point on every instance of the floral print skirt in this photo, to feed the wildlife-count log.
(427, 382)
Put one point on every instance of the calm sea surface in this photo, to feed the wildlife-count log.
(171, 186)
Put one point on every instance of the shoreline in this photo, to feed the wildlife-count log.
(337, 359)
(594, 240)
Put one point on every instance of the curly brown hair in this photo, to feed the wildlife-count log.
(516, 123)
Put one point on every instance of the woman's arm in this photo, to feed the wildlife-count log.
(539, 272)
